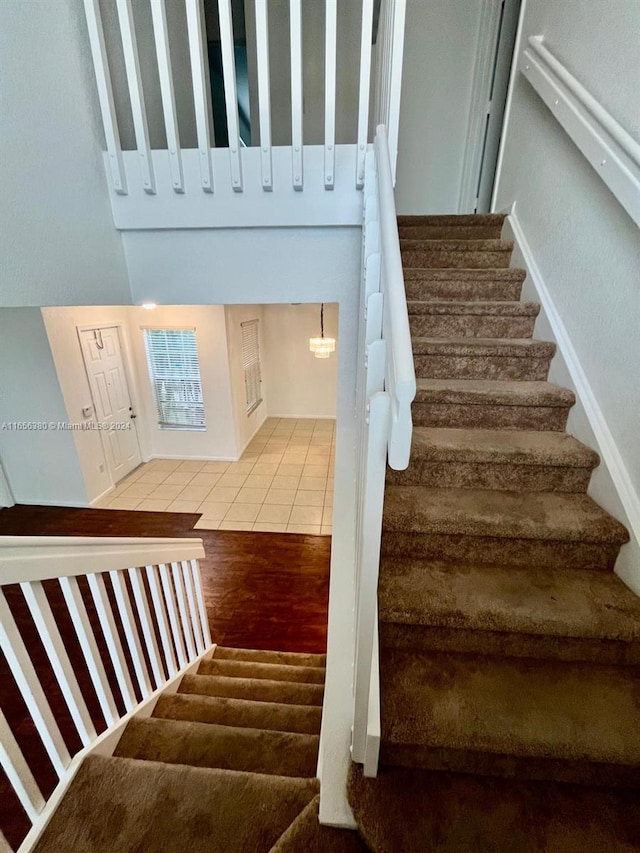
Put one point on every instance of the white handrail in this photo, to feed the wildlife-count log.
(610, 150)
(145, 614)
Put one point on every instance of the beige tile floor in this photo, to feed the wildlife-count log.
(282, 483)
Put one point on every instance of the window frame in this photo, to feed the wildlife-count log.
(196, 422)
(251, 364)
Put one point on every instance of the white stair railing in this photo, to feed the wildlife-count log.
(141, 599)
(240, 185)
(387, 386)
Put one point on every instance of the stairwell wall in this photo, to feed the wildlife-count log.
(586, 249)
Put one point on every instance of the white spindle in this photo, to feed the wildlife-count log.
(369, 563)
(133, 640)
(178, 582)
(144, 615)
(161, 619)
(53, 643)
(193, 609)
(365, 85)
(200, 79)
(264, 92)
(395, 82)
(230, 92)
(331, 33)
(136, 94)
(169, 597)
(295, 27)
(204, 619)
(87, 641)
(20, 776)
(163, 54)
(105, 95)
(29, 685)
(112, 639)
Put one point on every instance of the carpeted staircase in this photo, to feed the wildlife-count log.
(226, 764)
(510, 686)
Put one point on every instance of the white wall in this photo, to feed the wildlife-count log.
(439, 58)
(300, 385)
(41, 464)
(585, 246)
(246, 425)
(57, 240)
(6, 497)
(62, 330)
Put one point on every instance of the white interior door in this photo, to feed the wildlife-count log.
(111, 399)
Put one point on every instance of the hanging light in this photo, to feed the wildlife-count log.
(322, 347)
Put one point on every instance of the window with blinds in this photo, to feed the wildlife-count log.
(251, 363)
(174, 371)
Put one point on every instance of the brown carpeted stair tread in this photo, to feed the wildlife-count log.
(483, 347)
(490, 308)
(450, 232)
(478, 392)
(459, 245)
(463, 285)
(442, 219)
(563, 720)
(119, 805)
(304, 719)
(420, 811)
(510, 609)
(226, 747)
(263, 656)
(257, 669)
(480, 512)
(307, 835)
(258, 689)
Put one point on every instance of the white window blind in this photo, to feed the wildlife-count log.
(174, 370)
(251, 363)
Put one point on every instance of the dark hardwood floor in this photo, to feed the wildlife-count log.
(262, 591)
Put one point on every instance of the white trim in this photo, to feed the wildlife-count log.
(605, 144)
(508, 106)
(611, 457)
(480, 93)
(105, 744)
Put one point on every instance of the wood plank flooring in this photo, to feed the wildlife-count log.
(261, 590)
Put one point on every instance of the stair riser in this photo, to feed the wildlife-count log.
(481, 367)
(470, 326)
(249, 669)
(425, 638)
(301, 720)
(464, 416)
(235, 688)
(463, 291)
(478, 475)
(450, 232)
(501, 551)
(510, 767)
(452, 259)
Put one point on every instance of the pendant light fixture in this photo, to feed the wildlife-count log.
(322, 347)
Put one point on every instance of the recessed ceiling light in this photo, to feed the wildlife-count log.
(149, 305)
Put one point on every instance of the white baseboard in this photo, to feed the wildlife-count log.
(306, 417)
(611, 485)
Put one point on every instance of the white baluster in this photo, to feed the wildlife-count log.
(204, 619)
(201, 85)
(161, 36)
(53, 643)
(105, 95)
(395, 82)
(365, 85)
(331, 32)
(144, 615)
(295, 26)
(29, 685)
(112, 639)
(161, 619)
(136, 94)
(193, 610)
(169, 597)
(264, 92)
(178, 582)
(20, 776)
(86, 638)
(133, 640)
(230, 92)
